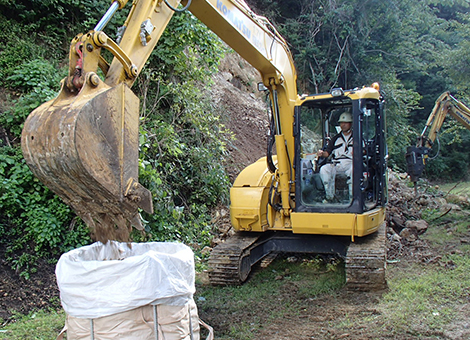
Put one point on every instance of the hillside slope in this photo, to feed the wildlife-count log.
(245, 111)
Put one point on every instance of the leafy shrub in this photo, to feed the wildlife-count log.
(13, 49)
(57, 18)
(181, 163)
(35, 223)
(39, 80)
(182, 142)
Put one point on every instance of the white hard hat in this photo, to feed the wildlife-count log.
(345, 117)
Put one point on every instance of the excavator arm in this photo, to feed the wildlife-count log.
(445, 105)
(84, 143)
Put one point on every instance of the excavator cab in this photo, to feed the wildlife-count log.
(358, 189)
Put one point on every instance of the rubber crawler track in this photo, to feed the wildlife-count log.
(366, 262)
(224, 261)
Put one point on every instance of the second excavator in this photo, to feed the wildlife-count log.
(418, 155)
(84, 146)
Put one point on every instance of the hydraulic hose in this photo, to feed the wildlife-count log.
(269, 151)
(176, 9)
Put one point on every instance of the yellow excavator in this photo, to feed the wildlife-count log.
(84, 146)
(418, 155)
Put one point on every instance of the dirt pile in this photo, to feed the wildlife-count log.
(21, 295)
(406, 211)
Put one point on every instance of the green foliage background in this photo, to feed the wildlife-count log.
(415, 49)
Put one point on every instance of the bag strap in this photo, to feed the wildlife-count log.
(155, 321)
(210, 336)
(62, 332)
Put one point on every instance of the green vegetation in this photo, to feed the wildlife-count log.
(428, 297)
(429, 292)
(46, 227)
(39, 325)
(38, 81)
(461, 188)
(182, 142)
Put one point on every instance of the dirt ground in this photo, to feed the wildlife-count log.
(246, 116)
(18, 295)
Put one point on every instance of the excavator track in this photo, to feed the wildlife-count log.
(365, 259)
(229, 262)
(366, 262)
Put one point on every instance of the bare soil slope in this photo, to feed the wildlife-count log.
(244, 112)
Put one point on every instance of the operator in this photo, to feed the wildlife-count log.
(341, 150)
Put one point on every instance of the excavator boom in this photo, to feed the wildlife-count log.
(445, 105)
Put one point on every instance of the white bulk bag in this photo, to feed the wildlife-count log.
(105, 279)
(173, 323)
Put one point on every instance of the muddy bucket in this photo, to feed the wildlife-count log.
(85, 148)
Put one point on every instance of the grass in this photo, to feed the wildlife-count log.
(447, 229)
(423, 297)
(277, 291)
(426, 297)
(461, 188)
(40, 325)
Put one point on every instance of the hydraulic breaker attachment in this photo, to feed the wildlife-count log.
(84, 147)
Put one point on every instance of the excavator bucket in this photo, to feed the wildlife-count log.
(84, 147)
